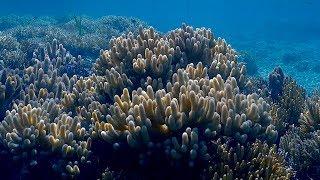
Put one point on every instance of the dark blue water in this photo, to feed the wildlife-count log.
(225, 16)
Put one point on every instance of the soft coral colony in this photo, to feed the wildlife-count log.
(156, 106)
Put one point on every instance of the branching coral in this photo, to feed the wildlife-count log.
(310, 118)
(250, 161)
(291, 104)
(23, 35)
(180, 123)
(33, 131)
(10, 86)
(10, 50)
(302, 151)
(44, 122)
(258, 85)
(154, 100)
(276, 83)
(169, 112)
(151, 59)
(61, 60)
(301, 145)
(188, 103)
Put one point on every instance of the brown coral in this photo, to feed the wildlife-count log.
(249, 161)
(151, 57)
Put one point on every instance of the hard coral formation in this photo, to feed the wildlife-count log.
(182, 123)
(310, 118)
(42, 123)
(290, 105)
(248, 161)
(212, 102)
(22, 35)
(171, 111)
(293, 100)
(10, 86)
(151, 59)
(276, 82)
(301, 144)
(10, 50)
(30, 132)
(154, 99)
(302, 151)
(62, 60)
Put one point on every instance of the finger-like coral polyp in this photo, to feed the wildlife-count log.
(153, 99)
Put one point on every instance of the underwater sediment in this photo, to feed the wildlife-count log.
(151, 106)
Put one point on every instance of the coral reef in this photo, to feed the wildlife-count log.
(301, 144)
(291, 104)
(10, 86)
(276, 82)
(30, 132)
(24, 35)
(151, 59)
(302, 151)
(42, 129)
(10, 51)
(310, 118)
(249, 161)
(169, 114)
(153, 106)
